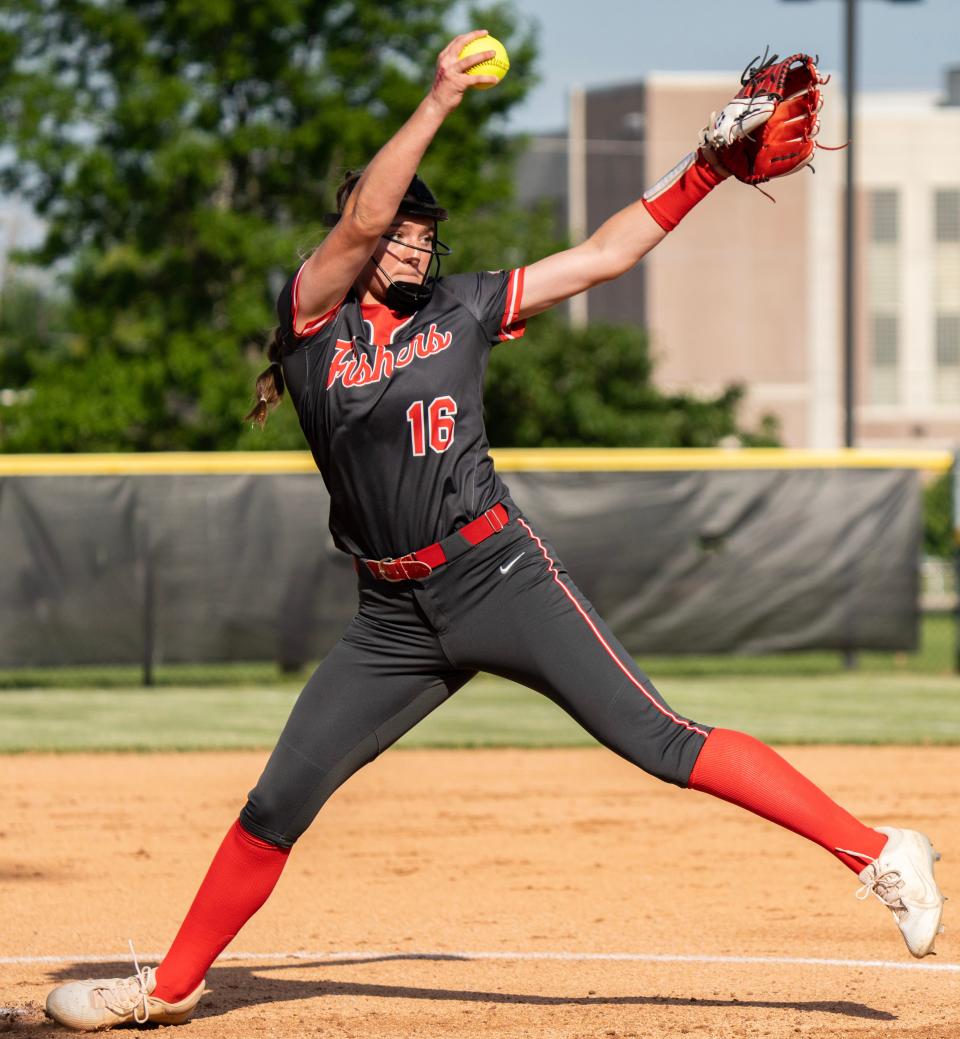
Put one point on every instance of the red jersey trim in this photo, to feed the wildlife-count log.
(317, 323)
(383, 323)
(510, 326)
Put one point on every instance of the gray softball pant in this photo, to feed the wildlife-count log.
(507, 607)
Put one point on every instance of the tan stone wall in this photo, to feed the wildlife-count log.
(910, 143)
(750, 291)
(719, 288)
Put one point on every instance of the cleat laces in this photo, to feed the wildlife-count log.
(123, 995)
(886, 886)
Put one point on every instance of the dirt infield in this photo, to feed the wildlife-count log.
(548, 859)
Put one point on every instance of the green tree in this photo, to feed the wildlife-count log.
(562, 387)
(938, 520)
(182, 155)
(31, 326)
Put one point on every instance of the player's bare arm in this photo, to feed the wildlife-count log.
(623, 240)
(736, 141)
(610, 251)
(372, 207)
(616, 246)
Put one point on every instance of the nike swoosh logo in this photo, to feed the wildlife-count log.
(506, 566)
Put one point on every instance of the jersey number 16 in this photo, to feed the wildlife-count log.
(438, 427)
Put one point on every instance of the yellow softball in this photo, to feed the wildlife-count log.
(497, 66)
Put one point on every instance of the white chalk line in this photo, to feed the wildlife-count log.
(629, 957)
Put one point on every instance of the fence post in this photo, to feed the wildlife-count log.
(956, 559)
(148, 616)
(148, 591)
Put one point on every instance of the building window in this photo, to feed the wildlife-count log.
(884, 357)
(947, 215)
(948, 359)
(948, 341)
(883, 216)
(883, 296)
(946, 302)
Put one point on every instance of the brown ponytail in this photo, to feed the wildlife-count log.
(269, 389)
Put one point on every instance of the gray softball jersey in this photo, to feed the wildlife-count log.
(392, 408)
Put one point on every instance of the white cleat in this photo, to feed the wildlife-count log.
(902, 878)
(105, 1002)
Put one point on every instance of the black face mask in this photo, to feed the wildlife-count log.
(407, 297)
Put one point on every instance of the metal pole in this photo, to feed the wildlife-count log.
(849, 255)
(577, 190)
(849, 241)
(149, 596)
(956, 560)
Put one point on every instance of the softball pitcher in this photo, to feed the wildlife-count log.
(384, 361)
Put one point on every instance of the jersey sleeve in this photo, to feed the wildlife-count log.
(494, 298)
(287, 306)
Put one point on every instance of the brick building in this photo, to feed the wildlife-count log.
(750, 291)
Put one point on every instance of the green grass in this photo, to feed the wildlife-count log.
(935, 656)
(123, 676)
(840, 708)
(789, 698)
(134, 718)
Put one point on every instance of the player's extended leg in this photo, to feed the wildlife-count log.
(386, 674)
(533, 625)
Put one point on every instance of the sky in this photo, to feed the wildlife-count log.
(593, 43)
(901, 46)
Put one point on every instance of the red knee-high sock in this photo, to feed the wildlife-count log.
(750, 774)
(243, 873)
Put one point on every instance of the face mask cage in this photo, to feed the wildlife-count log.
(437, 249)
(408, 296)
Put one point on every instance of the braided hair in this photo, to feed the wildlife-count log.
(269, 387)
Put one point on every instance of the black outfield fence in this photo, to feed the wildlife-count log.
(111, 559)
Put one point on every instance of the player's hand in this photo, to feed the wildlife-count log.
(713, 160)
(452, 79)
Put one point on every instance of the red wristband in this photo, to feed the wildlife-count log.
(676, 193)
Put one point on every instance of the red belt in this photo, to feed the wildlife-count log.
(415, 566)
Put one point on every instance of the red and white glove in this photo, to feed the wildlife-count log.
(766, 131)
